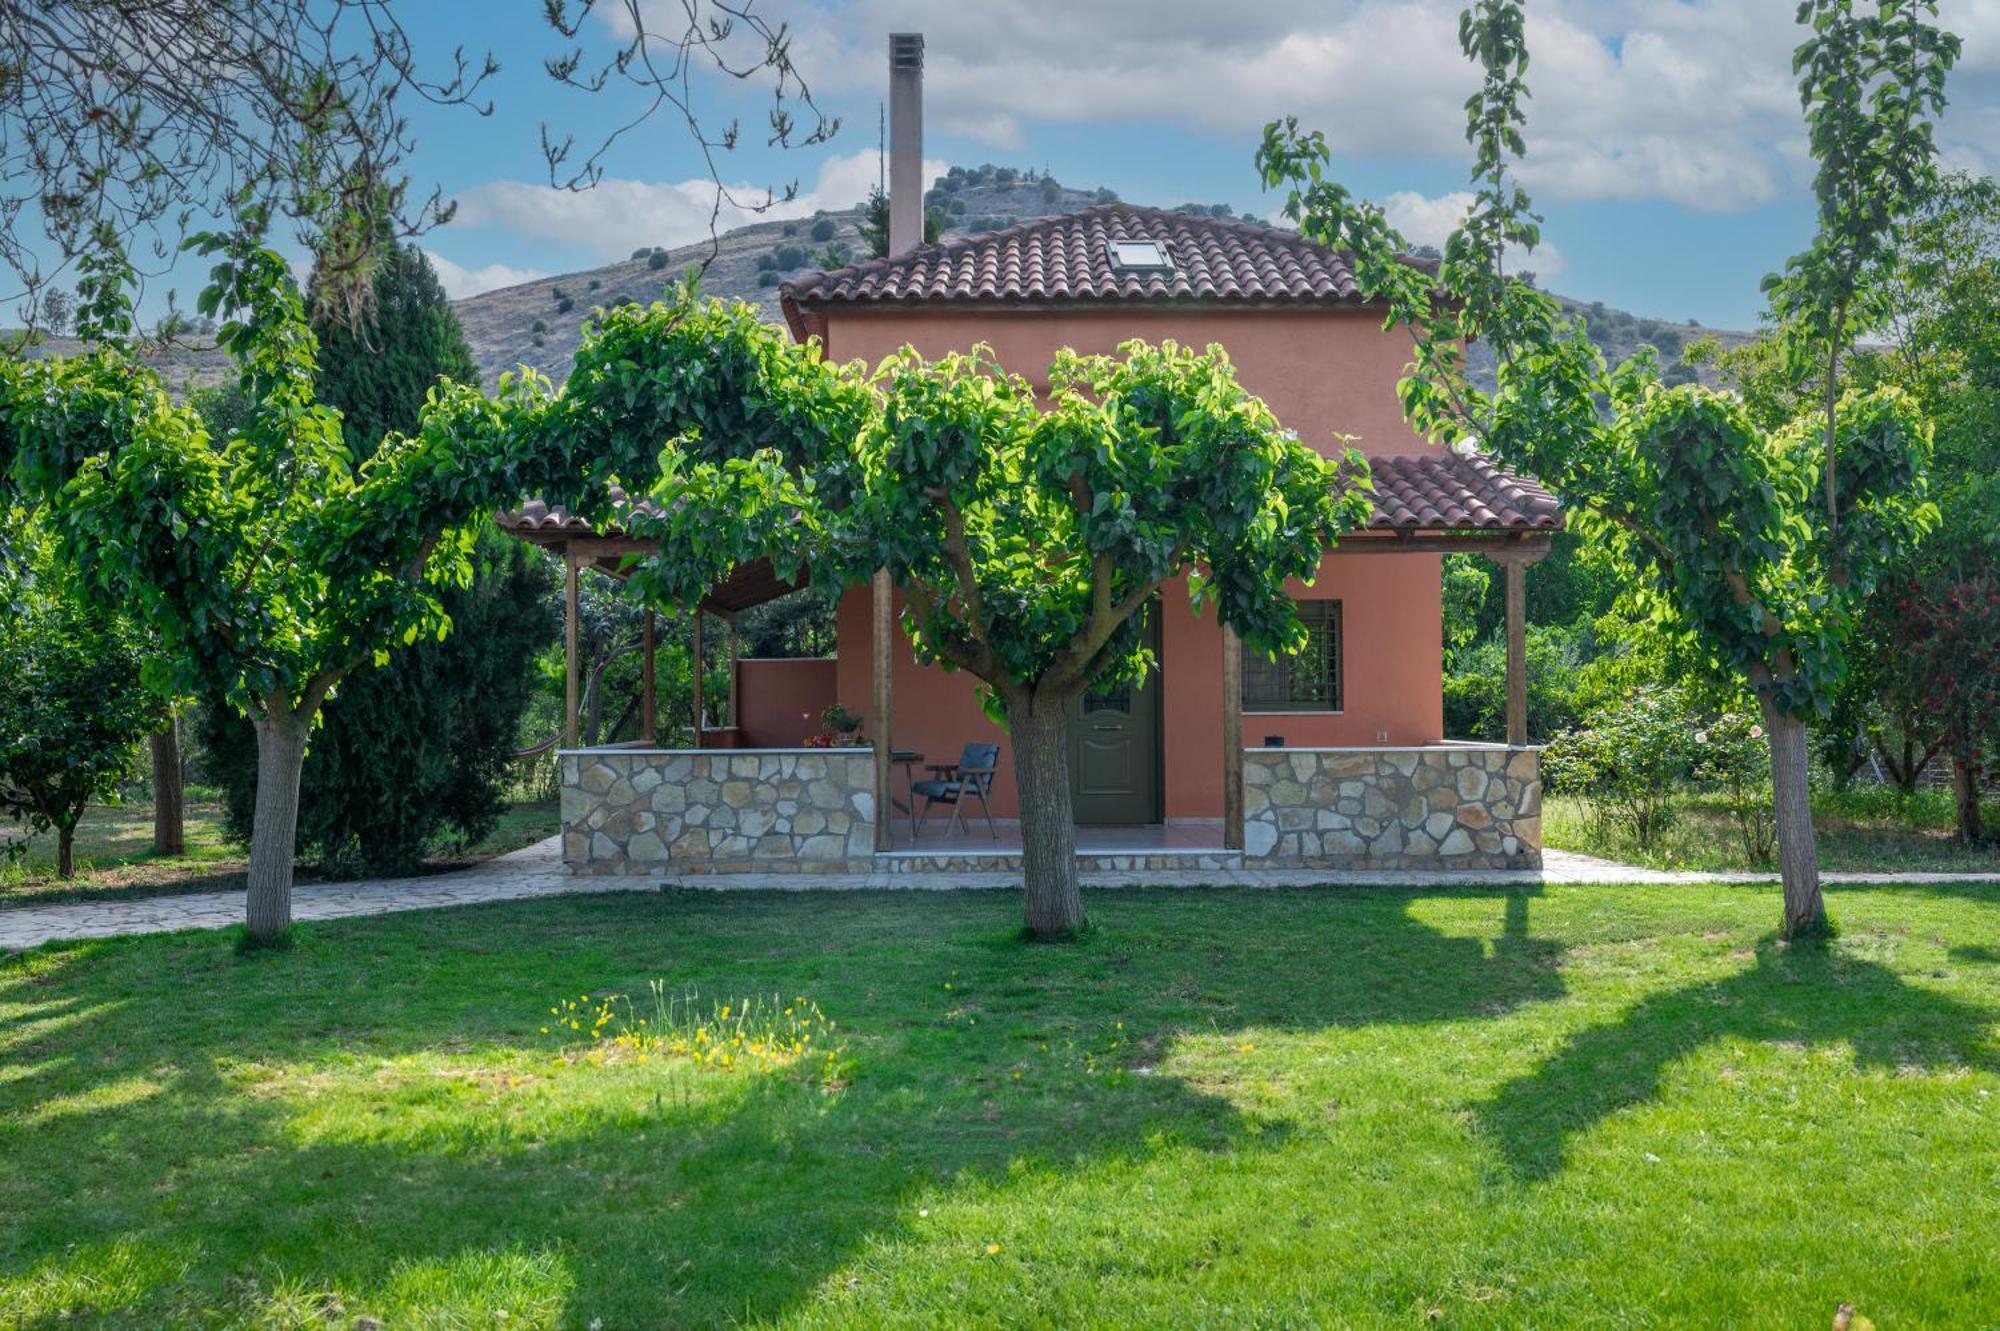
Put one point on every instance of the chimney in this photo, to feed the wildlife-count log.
(906, 141)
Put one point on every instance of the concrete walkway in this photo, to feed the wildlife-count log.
(537, 872)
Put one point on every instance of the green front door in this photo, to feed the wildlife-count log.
(1114, 752)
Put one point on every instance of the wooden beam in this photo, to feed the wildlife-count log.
(1494, 547)
(1232, 739)
(572, 664)
(1516, 579)
(649, 713)
(884, 637)
(695, 633)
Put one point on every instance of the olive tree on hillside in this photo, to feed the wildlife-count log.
(1734, 535)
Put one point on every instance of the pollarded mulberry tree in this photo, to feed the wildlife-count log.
(1759, 545)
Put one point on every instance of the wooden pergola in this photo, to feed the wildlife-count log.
(581, 547)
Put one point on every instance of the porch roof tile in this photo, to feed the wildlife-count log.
(1445, 491)
(1449, 491)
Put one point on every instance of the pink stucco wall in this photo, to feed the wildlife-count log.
(1325, 373)
(779, 700)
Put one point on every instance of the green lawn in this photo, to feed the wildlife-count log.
(1580, 1106)
(1867, 829)
(115, 860)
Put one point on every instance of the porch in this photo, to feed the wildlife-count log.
(1312, 796)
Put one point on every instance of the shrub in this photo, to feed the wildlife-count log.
(1050, 190)
(788, 257)
(595, 283)
(790, 229)
(657, 260)
(767, 263)
(1732, 757)
(1475, 686)
(72, 711)
(539, 326)
(565, 305)
(1106, 196)
(823, 229)
(642, 251)
(769, 277)
(1627, 765)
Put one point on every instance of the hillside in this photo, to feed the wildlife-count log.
(537, 323)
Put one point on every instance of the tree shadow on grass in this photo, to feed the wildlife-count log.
(377, 1109)
(1808, 995)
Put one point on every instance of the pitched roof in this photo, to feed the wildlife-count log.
(1068, 258)
(1449, 491)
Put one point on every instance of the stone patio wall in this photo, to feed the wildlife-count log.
(1456, 806)
(640, 811)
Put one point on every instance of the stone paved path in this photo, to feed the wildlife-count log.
(537, 872)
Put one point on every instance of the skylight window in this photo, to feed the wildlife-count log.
(1140, 256)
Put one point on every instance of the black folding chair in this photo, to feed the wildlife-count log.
(970, 776)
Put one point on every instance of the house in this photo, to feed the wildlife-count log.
(1334, 757)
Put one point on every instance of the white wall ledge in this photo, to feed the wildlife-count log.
(613, 749)
(1442, 746)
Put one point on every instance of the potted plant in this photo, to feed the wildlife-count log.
(838, 720)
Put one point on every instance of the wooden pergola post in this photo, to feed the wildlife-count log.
(1513, 563)
(1516, 580)
(649, 716)
(735, 656)
(696, 653)
(572, 662)
(883, 596)
(1232, 739)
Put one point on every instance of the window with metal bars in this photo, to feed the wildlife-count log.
(1306, 681)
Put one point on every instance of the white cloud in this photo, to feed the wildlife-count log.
(1427, 220)
(620, 215)
(1687, 101)
(460, 281)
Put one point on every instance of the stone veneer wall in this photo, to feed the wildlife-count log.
(1445, 807)
(640, 811)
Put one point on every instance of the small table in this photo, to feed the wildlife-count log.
(908, 760)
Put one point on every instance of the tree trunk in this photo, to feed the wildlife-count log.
(281, 755)
(1791, 802)
(169, 837)
(1965, 794)
(66, 849)
(1052, 901)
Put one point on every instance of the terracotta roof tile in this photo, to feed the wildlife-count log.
(1452, 492)
(1068, 257)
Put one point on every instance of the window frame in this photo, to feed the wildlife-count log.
(1334, 615)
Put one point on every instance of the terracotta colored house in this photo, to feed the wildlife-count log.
(1332, 759)
(1289, 315)
(1336, 757)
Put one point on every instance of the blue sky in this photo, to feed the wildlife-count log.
(1665, 142)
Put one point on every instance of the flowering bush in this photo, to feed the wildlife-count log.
(755, 1034)
(1627, 764)
(1732, 756)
